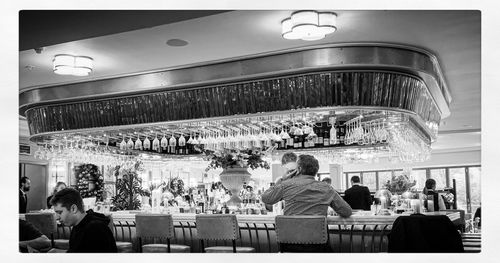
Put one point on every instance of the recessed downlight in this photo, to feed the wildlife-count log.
(177, 42)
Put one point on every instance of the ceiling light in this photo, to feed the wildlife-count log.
(308, 25)
(72, 65)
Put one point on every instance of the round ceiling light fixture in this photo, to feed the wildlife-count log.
(65, 64)
(308, 25)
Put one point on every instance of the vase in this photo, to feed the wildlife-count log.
(233, 178)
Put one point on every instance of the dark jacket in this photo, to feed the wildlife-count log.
(92, 234)
(23, 202)
(419, 233)
(358, 197)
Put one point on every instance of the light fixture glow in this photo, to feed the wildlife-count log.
(308, 25)
(72, 65)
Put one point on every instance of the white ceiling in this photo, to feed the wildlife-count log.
(454, 36)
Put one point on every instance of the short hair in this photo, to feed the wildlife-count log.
(68, 197)
(355, 179)
(308, 164)
(288, 157)
(57, 185)
(23, 180)
(327, 180)
(430, 183)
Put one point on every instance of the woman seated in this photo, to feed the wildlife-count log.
(438, 200)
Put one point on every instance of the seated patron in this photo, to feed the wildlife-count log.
(358, 196)
(90, 232)
(59, 187)
(430, 190)
(29, 235)
(303, 194)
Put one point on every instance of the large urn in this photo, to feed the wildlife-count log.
(233, 178)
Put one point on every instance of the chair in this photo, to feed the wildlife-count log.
(153, 226)
(121, 246)
(219, 227)
(302, 233)
(45, 223)
(427, 234)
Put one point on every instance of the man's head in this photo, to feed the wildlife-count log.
(68, 205)
(355, 180)
(327, 180)
(24, 184)
(430, 184)
(307, 165)
(288, 157)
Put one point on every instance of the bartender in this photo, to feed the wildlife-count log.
(358, 196)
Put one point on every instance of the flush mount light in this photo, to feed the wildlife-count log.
(72, 65)
(308, 25)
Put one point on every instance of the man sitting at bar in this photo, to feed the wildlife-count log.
(30, 236)
(90, 232)
(358, 196)
(303, 195)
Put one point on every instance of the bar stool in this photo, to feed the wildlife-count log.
(219, 227)
(302, 233)
(45, 223)
(157, 226)
(121, 246)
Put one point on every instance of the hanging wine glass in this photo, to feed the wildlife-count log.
(156, 143)
(164, 142)
(138, 143)
(130, 144)
(146, 144)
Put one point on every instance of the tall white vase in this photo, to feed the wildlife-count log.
(233, 178)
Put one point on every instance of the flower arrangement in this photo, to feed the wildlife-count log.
(399, 184)
(251, 158)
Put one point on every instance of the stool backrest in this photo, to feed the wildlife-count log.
(154, 225)
(44, 222)
(217, 227)
(301, 229)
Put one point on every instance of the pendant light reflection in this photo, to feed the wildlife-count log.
(72, 65)
(308, 25)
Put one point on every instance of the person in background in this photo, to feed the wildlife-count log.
(59, 186)
(90, 232)
(358, 196)
(303, 194)
(477, 217)
(430, 189)
(24, 186)
(327, 180)
(29, 235)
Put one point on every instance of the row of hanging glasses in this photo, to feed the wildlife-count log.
(118, 146)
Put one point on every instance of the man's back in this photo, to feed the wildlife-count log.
(92, 234)
(305, 196)
(358, 197)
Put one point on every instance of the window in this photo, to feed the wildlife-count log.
(383, 177)
(419, 176)
(440, 176)
(475, 188)
(370, 180)
(459, 175)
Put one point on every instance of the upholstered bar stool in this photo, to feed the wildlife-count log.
(219, 227)
(121, 246)
(302, 234)
(153, 226)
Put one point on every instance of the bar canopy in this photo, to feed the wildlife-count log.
(399, 84)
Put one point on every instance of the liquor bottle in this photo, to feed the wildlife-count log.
(341, 134)
(326, 135)
(319, 131)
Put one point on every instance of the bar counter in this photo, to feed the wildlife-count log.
(361, 232)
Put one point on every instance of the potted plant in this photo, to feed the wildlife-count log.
(235, 164)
